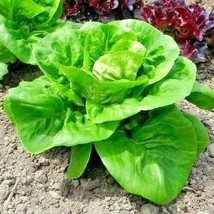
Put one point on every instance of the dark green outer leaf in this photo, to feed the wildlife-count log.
(156, 160)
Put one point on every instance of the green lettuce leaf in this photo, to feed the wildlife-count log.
(100, 39)
(113, 85)
(45, 120)
(171, 89)
(109, 67)
(161, 50)
(80, 156)
(15, 39)
(92, 68)
(52, 12)
(155, 159)
(201, 132)
(86, 85)
(17, 10)
(32, 14)
(202, 96)
(3, 70)
(5, 55)
(59, 48)
(23, 24)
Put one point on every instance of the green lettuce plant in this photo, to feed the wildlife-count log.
(114, 87)
(22, 25)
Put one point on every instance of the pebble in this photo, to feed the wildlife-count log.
(40, 176)
(56, 186)
(21, 208)
(107, 198)
(149, 209)
(55, 194)
(211, 150)
(75, 183)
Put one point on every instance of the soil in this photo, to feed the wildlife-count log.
(36, 184)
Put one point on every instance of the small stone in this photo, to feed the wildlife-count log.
(55, 195)
(40, 177)
(24, 198)
(75, 183)
(21, 208)
(211, 150)
(111, 208)
(43, 161)
(107, 198)
(56, 186)
(149, 209)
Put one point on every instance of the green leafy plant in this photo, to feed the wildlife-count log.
(115, 87)
(22, 25)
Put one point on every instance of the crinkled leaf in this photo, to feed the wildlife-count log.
(86, 85)
(14, 38)
(59, 48)
(17, 10)
(155, 159)
(202, 96)
(80, 156)
(109, 67)
(52, 12)
(20, 42)
(162, 50)
(32, 14)
(100, 39)
(44, 120)
(171, 89)
(23, 24)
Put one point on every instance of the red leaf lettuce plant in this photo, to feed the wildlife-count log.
(115, 87)
(189, 24)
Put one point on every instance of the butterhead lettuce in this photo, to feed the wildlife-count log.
(23, 24)
(115, 87)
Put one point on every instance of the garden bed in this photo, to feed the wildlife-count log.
(37, 184)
